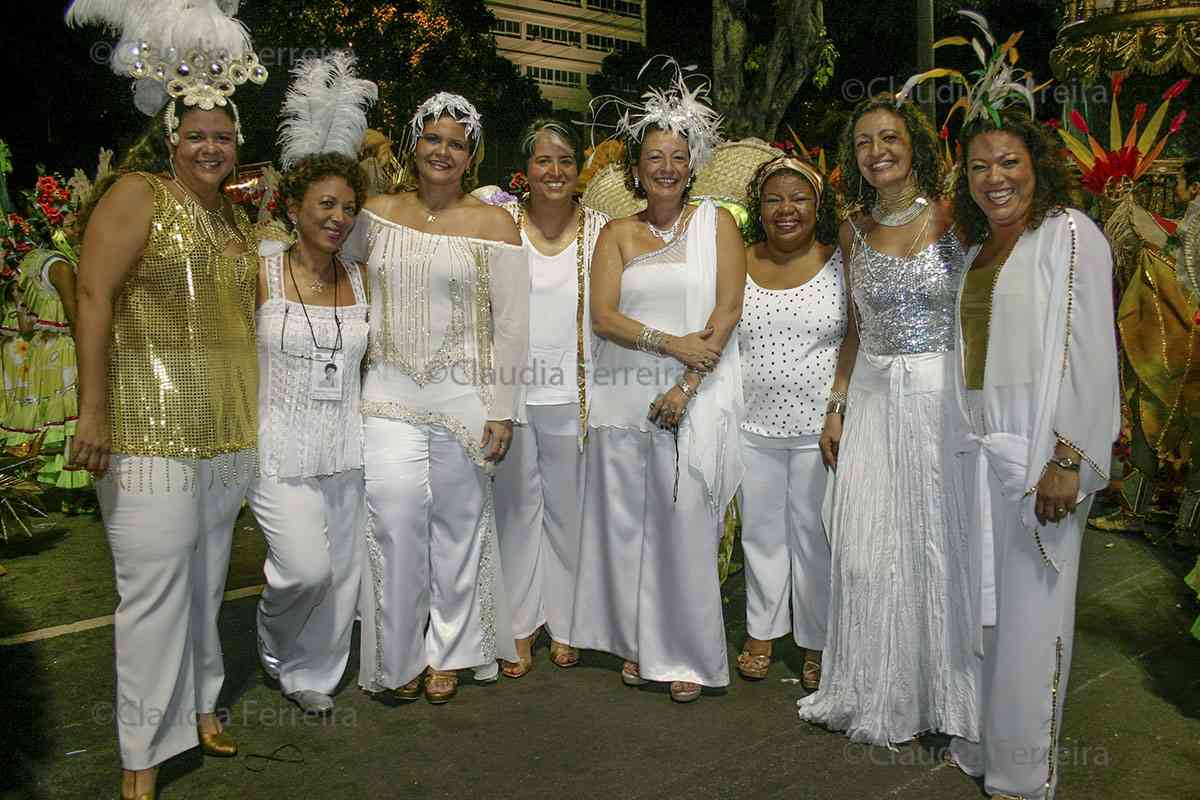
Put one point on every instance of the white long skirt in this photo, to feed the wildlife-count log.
(647, 588)
(900, 657)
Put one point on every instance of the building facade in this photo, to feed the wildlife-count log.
(559, 43)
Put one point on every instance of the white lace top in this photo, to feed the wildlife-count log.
(789, 341)
(299, 436)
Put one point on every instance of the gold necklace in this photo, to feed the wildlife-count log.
(317, 284)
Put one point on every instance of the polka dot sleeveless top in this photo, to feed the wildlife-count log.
(789, 341)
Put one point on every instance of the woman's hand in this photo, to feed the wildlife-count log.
(668, 409)
(1056, 493)
(831, 437)
(497, 436)
(698, 351)
(92, 443)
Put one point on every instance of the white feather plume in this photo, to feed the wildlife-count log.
(325, 110)
(184, 25)
(680, 109)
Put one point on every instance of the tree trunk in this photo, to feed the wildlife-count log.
(753, 102)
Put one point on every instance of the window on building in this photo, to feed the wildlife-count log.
(623, 7)
(546, 33)
(608, 44)
(576, 3)
(555, 77)
(507, 27)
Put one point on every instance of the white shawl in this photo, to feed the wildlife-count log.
(716, 412)
(1051, 372)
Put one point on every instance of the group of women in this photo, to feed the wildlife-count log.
(950, 366)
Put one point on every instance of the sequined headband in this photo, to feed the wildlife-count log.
(806, 170)
(455, 106)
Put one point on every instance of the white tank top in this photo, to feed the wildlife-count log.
(553, 301)
(789, 341)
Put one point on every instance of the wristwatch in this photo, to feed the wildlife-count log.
(1065, 463)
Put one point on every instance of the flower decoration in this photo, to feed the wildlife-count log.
(1129, 154)
(518, 182)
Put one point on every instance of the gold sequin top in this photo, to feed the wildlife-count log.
(183, 375)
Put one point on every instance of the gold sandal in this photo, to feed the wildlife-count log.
(753, 666)
(440, 686)
(409, 691)
(810, 679)
(562, 655)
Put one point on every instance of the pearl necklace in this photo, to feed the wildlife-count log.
(666, 235)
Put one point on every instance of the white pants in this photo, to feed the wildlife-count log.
(433, 591)
(1027, 656)
(170, 525)
(783, 538)
(648, 589)
(539, 499)
(313, 528)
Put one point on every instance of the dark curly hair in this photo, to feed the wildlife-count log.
(310, 169)
(150, 153)
(1052, 181)
(633, 154)
(927, 164)
(826, 231)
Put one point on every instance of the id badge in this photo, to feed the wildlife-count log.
(328, 372)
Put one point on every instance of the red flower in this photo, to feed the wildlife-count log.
(1079, 122)
(1177, 123)
(1176, 89)
(1139, 111)
(1196, 319)
(1053, 123)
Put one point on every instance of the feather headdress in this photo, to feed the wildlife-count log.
(997, 84)
(189, 49)
(457, 107)
(680, 108)
(325, 110)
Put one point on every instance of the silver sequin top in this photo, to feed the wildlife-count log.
(906, 305)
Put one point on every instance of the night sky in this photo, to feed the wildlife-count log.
(64, 107)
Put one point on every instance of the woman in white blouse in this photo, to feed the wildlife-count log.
(308, 497)
(793, 322)
(539, 488)
(449, 333)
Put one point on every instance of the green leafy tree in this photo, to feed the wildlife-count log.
(411, 49)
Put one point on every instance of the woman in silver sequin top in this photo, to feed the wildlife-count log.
(899, 658)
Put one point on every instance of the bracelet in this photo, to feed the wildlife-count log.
(686, 388)
(837, 403)
(1065, 463)
(651, 340)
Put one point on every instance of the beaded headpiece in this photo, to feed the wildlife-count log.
(680, 108)
(189, 50)
(325, 110)
(996, 85)
(455, 106)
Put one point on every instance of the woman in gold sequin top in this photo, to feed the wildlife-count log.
(167, 422)
(1038, 393)
(449, 289)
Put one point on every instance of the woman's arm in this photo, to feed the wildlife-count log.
(831, 434)
(115, 239)
(62, 277)
(695, 350)
(669, 409)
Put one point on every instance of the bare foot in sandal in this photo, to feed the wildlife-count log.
(524, 661)
(755, 659)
